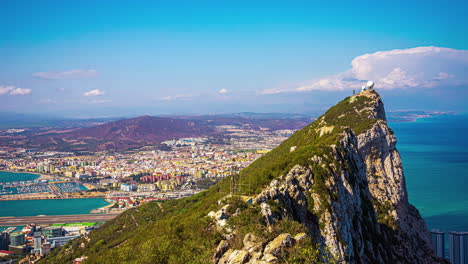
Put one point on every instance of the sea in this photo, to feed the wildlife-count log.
(6, 176)
(50, 207)
(44, 207)
(434, 151)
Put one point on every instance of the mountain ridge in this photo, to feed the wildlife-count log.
(333, 192)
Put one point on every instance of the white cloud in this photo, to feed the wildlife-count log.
(223, 91)
(176, 97)
(70, 74)
(95, 92)
(12, 90)
(20, 91)
(421, 67)
(6, 89)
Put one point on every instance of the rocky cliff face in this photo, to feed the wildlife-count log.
(351, 196)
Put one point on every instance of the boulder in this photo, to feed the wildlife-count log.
(300, 237)
(252, 243)
(234, 257)
(277, 245)
(270, 259)
(223, 246)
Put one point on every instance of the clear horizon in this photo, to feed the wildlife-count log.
(93, 59)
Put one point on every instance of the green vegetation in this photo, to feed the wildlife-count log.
(309, 142)
(383, 214)
(179, 231)
(307, 252)
(75, 224)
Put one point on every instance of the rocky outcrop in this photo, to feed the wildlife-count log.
(277, 245)
(351, 197)
(254, 252)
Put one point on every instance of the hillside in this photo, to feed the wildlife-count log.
(334, 192)
(254, 121)
(122, 134)
(140, 131)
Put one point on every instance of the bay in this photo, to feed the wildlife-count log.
(50, 207)
(435, 160)
(6, 176)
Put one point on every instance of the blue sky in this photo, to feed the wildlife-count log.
(113, 58)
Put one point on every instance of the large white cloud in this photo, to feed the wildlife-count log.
(421, 67)
(70, 74)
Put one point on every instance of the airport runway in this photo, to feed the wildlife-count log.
(55, 219)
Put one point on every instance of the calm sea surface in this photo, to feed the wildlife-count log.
(50, 207)
(44, 207)
(435, 159)
(6, 176)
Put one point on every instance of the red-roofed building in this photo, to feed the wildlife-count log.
(4, 253)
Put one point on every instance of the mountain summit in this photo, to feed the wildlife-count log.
(334, 192)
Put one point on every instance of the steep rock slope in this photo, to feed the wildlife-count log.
(334, 192)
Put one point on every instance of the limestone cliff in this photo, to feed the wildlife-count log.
(350, 195)
(334, 192)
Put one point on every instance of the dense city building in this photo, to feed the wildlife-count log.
(438, 242)
(458, 247)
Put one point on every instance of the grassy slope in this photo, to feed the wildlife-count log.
(179, 231)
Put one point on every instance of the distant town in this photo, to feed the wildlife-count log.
(174, 169)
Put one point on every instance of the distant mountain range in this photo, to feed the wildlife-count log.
(256, 122)
(136, 132)
(118, 135)
(21, 120)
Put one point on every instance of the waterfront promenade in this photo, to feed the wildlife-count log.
(55, 219)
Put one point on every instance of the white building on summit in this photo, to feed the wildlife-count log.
(369, 85)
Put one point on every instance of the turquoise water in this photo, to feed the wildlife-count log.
(435, 160)
(50, 207)
(45, 207)
(6, 176)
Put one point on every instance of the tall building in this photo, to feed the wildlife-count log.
(438, 242)
(17, 239)
(459, 247)
(45, 248)
(4, 241)
(37, 241)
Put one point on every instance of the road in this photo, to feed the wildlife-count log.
(55, 219)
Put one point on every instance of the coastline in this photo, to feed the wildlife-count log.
(41, 176)
(25, 172)
(46, 177)
(103, 210)
(46, 195)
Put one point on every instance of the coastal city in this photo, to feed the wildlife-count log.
(125, 179)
